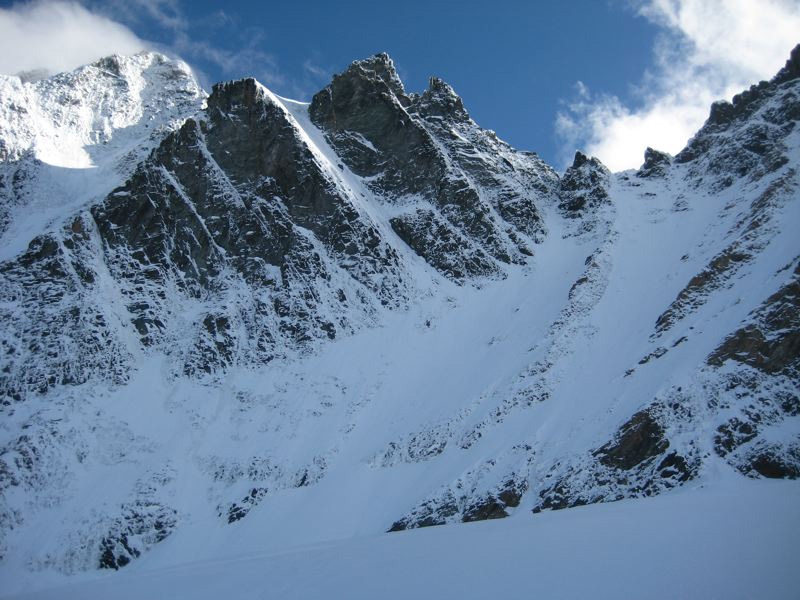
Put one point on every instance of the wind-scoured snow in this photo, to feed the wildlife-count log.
(67, 141)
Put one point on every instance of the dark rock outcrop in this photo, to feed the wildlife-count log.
(640, 438)
(584, 187)
(745, 137)
(239, 510)
(495, 504)
(770, 342)
(431, 514)
(635, 463)
(656, 164)
(424, 151)
(140, 526)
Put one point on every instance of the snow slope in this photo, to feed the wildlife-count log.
(730, 541)
(348, 382)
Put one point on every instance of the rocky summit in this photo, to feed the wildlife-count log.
(236, 323)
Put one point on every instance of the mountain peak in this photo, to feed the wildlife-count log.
(247, 310)
(381, 60)
(247, 90)
(655, 164)
(99, 120)
(124, 66)
(581, 159)
(369, 91)
(791, 69)
(90, 103)
(440, 87)
(379, 66)
(441, 100)
(584, 186)
(758, 150)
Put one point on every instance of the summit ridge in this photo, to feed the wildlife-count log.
(237, 323)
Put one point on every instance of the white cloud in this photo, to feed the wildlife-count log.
(58, 36)
(167, 13)
(709, 50)
(314, 70)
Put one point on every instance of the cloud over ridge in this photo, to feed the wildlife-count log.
(59, 36)
(708, 50)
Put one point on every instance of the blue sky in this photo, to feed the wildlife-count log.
(609, 76)
(513, 62)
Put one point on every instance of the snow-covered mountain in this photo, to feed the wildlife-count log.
(67, 141)
(239, 324)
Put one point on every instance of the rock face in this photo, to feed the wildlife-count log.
(656, 164)
(446, 178)
(770, 342)
(746, 137)
(584, 191)
(256, 311)
(640, 439)
(108, 115)
(267, 231)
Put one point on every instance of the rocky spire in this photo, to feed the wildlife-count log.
(760, 150)
(368, 91)
(440, 100)
(656, 163)
(382, 66)
(584, 186)
(792, 68)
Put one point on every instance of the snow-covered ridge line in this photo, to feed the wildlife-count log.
(68, 140)
(58, 117)
(293, 324)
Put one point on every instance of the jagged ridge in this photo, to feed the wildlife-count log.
(308, 302)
